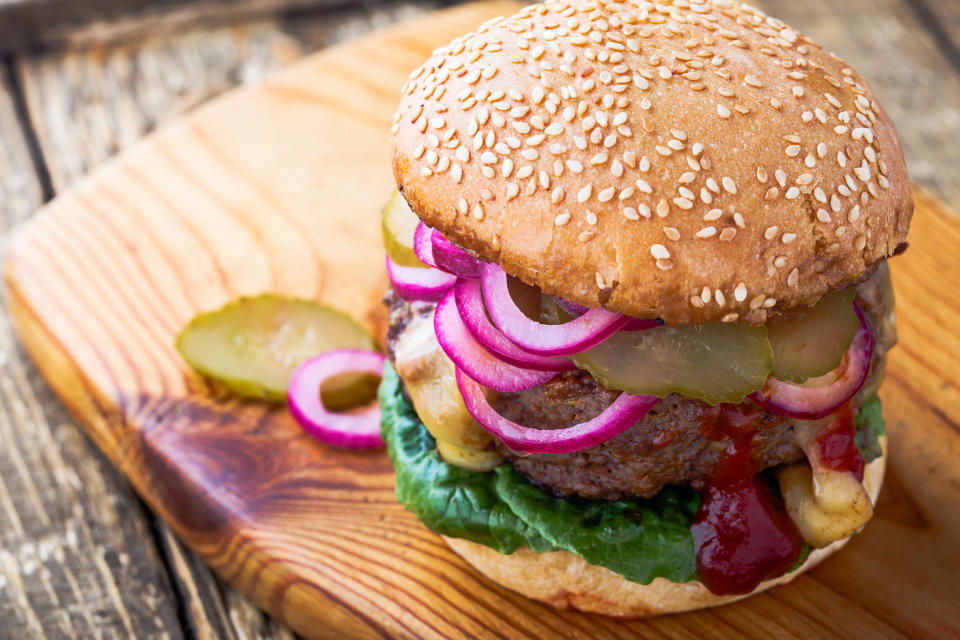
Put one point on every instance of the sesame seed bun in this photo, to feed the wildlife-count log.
(567, 581)
(696, 162)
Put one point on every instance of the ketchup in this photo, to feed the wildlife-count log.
(835, 446)
(742, 535)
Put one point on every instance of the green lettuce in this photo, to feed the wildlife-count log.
(869, 425)
(638, 539)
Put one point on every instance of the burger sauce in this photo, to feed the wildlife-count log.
(742, 534)
(835, 447)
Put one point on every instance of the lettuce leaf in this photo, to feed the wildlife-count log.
(638, 539)
(869, 425)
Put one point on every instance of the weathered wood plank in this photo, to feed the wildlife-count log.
(90, 102)
(32, 23)
(911, 74)
(76, 556)
(942, 17)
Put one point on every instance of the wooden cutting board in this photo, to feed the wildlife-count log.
(278, 188)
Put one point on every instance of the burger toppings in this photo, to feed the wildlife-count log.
(810, 342)
(470, 356)
(252, 345)
(415, 283)
(826, 498)
(715, 362)
(351, 430)
(467, 376)
(399, 225)
(619, 416)
(741, 533)
(818, 397)
(429, 380)
(468, 296)
(575, 336)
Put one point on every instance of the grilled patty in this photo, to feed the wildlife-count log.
(671, 445)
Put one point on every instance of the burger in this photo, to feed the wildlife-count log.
(640, 304)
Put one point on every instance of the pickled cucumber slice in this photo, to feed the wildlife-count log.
(252, 346)
(399, 223)
(811, 342)
(715, 362)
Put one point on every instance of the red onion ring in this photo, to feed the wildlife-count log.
(575, 336)
(422, 246)
(359, 430)
(470, 305)
(417, 283)
(625, 411)
(453, 259)
(471, 358)
(635, 324)
(821, 396)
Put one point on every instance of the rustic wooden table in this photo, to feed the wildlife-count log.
(80, 556)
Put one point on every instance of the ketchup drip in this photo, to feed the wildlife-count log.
(742, 535)
(835, 446)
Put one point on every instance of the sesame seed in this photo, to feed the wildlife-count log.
(727, 234)
(671, 233)
(787, 238)
(707, 232)
(823, 215)
(478, 212)
(793, 150)
(781, 177)
(719, 297)
(630, 213)
(591, 218)
(663, 209)
(762, 175)
(729, 184)
(561, 219)
(860, 243)
(659, 252)
(575, 166)
(713, 214)
(740, 292)
(771, 193)
(607, 194)
(835, 203)
(794, 277)
(854, 214)
(584, 194)
(697, 148)
(723, 111)
(683, 203)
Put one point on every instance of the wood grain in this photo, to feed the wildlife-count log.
(76, 554)
(238, 199)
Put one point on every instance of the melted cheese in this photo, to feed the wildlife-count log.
(825, 504)
(429, 377)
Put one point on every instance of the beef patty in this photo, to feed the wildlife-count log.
(667, 446)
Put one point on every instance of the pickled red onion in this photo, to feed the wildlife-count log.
(821, 396)
(575, 336)
(416, 283)
(453, 259)
(625, 411)
(359, 430)
(422, 246)
(470, 305)
(635, 324)
(470, 357)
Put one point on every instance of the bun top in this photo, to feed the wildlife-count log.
(694, 160)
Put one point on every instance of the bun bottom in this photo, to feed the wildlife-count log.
(567, 581)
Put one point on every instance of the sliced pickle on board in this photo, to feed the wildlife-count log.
(399, 224)
(811, 342)
(715, 362)
(251, 346)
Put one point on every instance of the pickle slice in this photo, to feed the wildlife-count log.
(252, 345)
(715, 362)
(399, 224)
(811, 342)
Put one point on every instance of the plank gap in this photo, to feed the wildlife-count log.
(935, 28)
(18, 98)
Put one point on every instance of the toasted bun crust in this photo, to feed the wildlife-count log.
(696, 162)
(567, 581)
